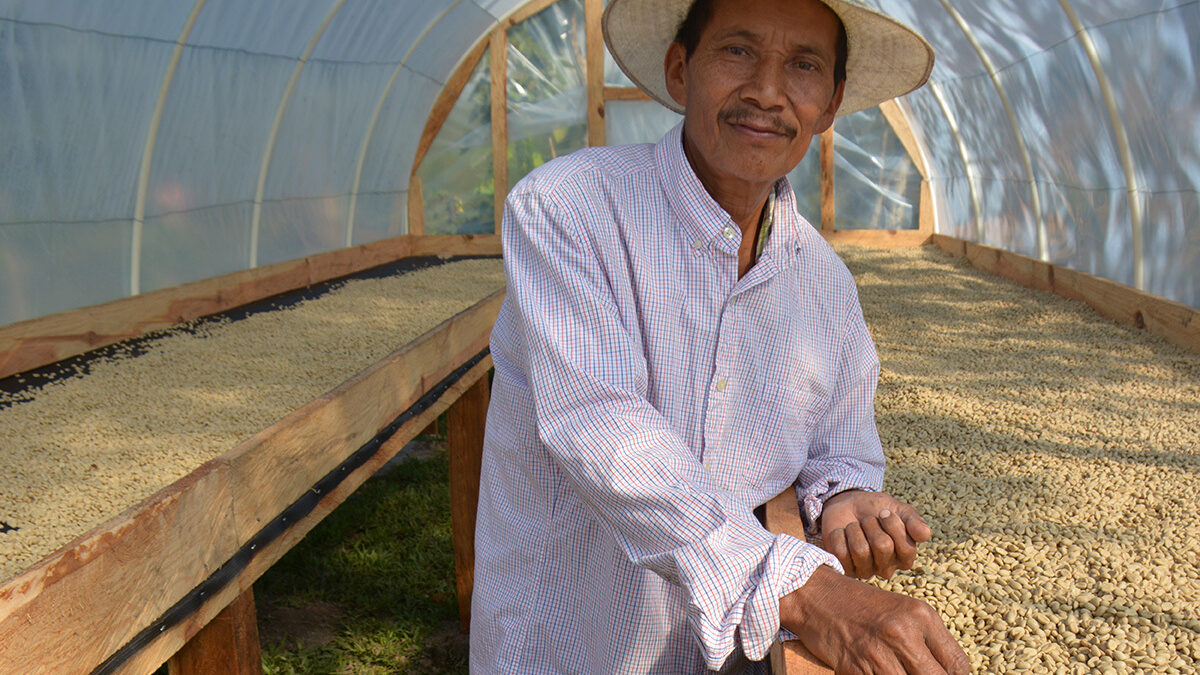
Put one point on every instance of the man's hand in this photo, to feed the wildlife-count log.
(872, 532)
(857, 628)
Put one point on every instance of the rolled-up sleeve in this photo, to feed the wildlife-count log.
(588, 377)
(845, 453)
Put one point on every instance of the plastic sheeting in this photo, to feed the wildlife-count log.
(876, 185)
(79, 82)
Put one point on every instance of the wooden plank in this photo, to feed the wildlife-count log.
(925, 215)
(828, 205)
(877, 238)
(447, 245)
(38, 342)
(445, 101)
(148, 660)
(499, 54)
(416, 207)
(791, 657)
(275, 467)
(464, 435)
(593, 11)
(1173, 321)
(625, 94)
(894, 114)
(70, 612)
(228, 645)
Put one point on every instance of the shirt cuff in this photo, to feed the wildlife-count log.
(813, 498)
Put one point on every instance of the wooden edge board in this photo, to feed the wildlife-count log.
(39, 342)
(1173, 321)
(877, 238)
(791, 657)
(449, 245)
(173, 639)
(74, 609)
(275, 467)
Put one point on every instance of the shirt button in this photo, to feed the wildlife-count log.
(721, 384)
(708, 467)
(729, 232)
(698, 244)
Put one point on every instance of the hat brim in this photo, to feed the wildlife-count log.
(886, 58)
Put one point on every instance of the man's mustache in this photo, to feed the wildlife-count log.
(746, 117)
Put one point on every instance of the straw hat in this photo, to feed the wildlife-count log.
(887, 59)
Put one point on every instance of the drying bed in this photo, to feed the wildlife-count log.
(83, 448)
(1057, 456)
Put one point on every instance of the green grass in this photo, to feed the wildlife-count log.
(371, 588)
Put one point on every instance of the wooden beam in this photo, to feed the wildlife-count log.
(228, 645)
(464, 435)
(828, 206)
(894, 114)
(416, 207)
(1173, 321)
(791, 657)
(625, 94)
(877, 238)
(446, 99)
(38, 342)
(925, 221)
(447, 245)
(77, 607)
(593, 11)
(525, 11)
(499, 54)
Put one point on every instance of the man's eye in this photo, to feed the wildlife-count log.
(736, 51)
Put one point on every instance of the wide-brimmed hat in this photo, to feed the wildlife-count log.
(887, 58)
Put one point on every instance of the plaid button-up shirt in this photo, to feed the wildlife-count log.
(645, 400)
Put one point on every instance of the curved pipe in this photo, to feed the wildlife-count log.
(283, 104)
(139, 209)
(1043, 245)
(362, 150)
(963, 154)
(902, 108)
(1118, 125)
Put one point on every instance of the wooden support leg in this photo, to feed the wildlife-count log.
(465, 422)
(228, 645)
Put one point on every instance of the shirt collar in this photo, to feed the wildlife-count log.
(702, 217)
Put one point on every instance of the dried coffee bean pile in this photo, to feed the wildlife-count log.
(1056, 455)
(90, 446)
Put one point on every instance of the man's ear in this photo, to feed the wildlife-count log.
(675, 67)
(826, 119)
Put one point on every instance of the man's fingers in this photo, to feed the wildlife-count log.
(835, 543)
(882, 548)
(860, 551)
(914, 523)
(905, 547)
(945, 648)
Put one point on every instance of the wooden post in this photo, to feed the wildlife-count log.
(416, 207)
(827, 195)
(499, 63)
(228, 645)
(464, 435)
(593, 10)
(925, 216)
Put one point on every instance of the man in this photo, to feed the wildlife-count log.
(678, 346)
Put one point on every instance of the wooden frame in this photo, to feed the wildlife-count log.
(828, 203)
(499, 70)
(1173, 321)
(76, 608)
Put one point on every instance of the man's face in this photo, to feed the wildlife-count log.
(756, 89)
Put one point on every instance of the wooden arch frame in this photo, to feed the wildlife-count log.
(495, 43)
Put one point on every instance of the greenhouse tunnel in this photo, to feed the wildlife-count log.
(162, 157)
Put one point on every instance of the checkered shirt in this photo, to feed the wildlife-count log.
(645, 400)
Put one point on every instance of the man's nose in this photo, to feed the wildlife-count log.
(767, 86)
